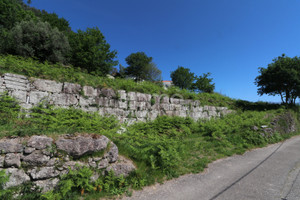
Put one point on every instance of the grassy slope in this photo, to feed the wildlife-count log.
(60, 73)
(165, 148)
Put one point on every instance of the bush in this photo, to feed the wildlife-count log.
(9, 109)
(38, 40)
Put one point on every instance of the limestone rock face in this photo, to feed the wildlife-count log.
(10, 146)
(17, 177)
(36, 158)
(123, 166)
(12, 160)
(48, 184)
(39, 142)
(43, 173)
(81, 145)
(47, 85)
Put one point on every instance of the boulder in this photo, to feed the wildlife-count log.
(39, 142)
(81, 145)
(43, 173)
(36, 158)
(122, 167)
(47, 185)
(17, 177)
(12, 160)
(11, 146)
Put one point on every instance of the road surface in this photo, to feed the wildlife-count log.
(270, 173)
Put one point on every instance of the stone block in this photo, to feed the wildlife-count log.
(131, 96)
(47, 85)
(132, 105)
(48, 184)
(16, 85)
(39, 142)
(71, 88)
(107, 92)
(212, 113)
(20, 95)
(36, 158)
(87, 101)
(153, 115)
(89, 109)
(43, 173)
(81, 145)
(122, 94)
(141, 114)
(36, 97)
(11, 146)
(141, 105)
(90, 91)
(1, 161)
(164, 100)
(113, 103)
(165, 107)
(17, 177)
(174, 101)
(122, 104)
(65, 99)
(12, 160)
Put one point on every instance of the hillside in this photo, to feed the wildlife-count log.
(164, 148)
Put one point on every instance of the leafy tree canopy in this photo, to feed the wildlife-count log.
(38, 40)
(137, 65)
(204, 84)
(281, 77)
(90, 51)
(183, 78)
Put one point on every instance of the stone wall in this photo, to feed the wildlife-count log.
(127, 106)
(43, 160)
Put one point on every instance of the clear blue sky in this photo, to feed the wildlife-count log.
(229, 38)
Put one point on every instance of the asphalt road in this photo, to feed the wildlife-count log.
(270, 173)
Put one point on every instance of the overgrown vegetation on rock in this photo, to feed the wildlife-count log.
(164, 148)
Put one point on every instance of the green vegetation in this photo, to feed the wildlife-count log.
(281, 77)
(164, 148)
(32, 68)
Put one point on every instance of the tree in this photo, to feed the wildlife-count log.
(90, 51)
(39, 40)
(183, 78)
(281, 77)
(204, 84)
(151, 73)
(137, 63)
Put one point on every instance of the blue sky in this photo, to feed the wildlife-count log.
(229, 38)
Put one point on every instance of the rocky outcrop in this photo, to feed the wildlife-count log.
(126, 106)
(43, 160)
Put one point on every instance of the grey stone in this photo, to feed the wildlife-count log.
(82, 145)
(39, 142)
(17, 177)
(123, 104)
(65, 99)
(122, 167)
(90, 91)
(15, 77)
(103, 164)
(47, 85)
(112, 154)
(141, 114)
(12, 160)
(165, 106)
(36, 97)
(164, 100)
(122, 94)
(107, 92)
(131, 96)
(74, 165)
(43, 173)
(29, 150)
(53, 161)
(20, 95)
(174, 101)
(132, 105)
(10, 146)
(1, 161)
(86, 101)
(47, 185)
(71, 88)
(36, 158)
